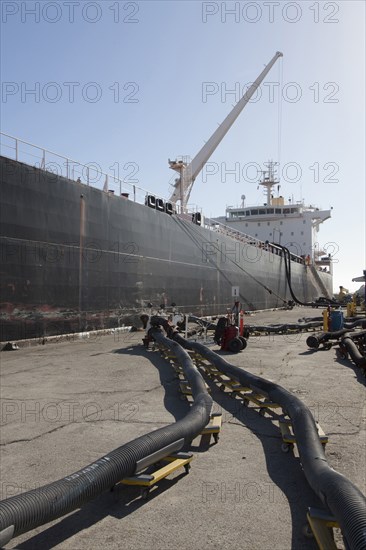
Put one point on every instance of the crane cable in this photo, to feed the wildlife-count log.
(279, 113)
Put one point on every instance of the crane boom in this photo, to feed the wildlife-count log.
(189, 171)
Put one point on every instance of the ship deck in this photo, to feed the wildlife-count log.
(66, 404)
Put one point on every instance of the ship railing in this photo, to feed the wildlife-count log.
(214, 225)
(90, 174)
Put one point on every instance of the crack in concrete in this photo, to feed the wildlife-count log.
(100, 392)
(33, 438)
(147, 422)
(343, 433)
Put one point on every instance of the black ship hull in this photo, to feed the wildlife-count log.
(74, 258)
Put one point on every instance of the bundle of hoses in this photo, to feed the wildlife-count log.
(287, 258)
(314, 340)
(283, 327)
(304, 326)
(343, 499)
(350, 322)
(26, 511)
(348, 343)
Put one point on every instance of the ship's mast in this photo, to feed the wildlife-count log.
(189, 171)
(269, 179)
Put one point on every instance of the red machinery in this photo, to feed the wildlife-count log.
(227, 335)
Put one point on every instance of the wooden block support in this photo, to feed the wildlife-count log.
(148, 480)
(259, 400)
(186, 389)
(289, 438)
(321, 524)
(214, 426)
(211, 372)
(230, 384)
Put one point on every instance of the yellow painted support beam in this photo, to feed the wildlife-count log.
(214, 426)
(321, 525)
(289, 437)
(150, 479)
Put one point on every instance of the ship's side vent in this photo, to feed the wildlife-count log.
(197, 218)
(151, 201)
(160, 205)
(169, 208)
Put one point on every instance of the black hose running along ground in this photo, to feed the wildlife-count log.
(344, 500)
(314, 340)
(356, 323)
(26, 511)
(283, 327)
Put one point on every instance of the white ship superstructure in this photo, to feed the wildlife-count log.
(292, 224)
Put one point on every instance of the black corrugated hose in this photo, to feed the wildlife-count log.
(338, 494)
(26, 511)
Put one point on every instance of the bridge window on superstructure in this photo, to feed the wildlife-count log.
(286, 210)
(278, 211)
(254, 212)
(262, 212)
(294, 210)
(270, 210)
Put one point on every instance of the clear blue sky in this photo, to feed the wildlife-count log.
(162, 55)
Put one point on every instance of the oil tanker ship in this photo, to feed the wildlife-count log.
(77, 258)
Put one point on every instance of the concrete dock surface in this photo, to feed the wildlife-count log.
(68, 403)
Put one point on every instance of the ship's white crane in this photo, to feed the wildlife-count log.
(188, 171)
